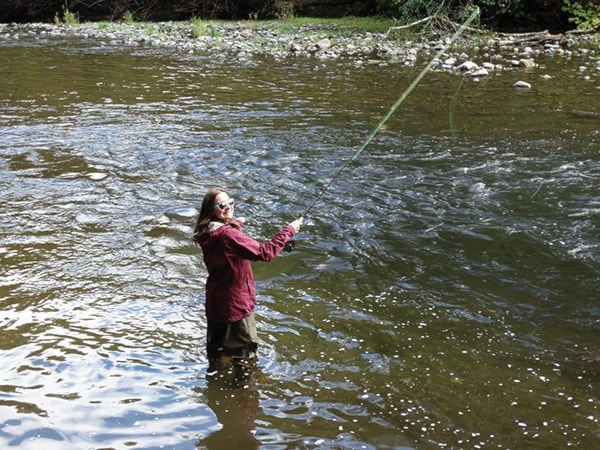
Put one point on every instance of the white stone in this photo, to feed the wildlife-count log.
(468, 65)
(522, 85)
(323, 44)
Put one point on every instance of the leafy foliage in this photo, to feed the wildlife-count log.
(584, 14)
(507, 13)
(494, 13)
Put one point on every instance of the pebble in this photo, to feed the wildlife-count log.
(247, 40)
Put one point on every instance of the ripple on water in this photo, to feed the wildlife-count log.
(441, 293)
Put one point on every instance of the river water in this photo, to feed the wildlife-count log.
(444, 293)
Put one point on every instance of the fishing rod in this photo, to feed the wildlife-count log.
(393, 109)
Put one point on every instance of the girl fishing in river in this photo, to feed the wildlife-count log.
(230, 287)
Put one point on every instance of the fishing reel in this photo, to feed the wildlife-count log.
(289, 246)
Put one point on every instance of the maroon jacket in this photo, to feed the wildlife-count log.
(230, 288)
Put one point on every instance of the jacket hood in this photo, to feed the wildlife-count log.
(207, 240)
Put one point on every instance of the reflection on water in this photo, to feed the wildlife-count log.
(444, 293)
(235, 408)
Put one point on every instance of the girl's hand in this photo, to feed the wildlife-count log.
(296, 224)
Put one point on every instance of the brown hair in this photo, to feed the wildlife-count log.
(206, 213)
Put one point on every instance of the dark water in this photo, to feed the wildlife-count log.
(443, 294)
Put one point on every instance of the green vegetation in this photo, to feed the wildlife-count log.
(412, 10)
(584, 14)
(506, 14)
(423, 16)
(68, 18)
(150, 29)
(199, 27)
(284, 9)
(346, 24)
(203, 28)
(128, 18)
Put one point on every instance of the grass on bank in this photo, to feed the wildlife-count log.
(68, 18)
(341, 27)
(332, 28)
(368, 24)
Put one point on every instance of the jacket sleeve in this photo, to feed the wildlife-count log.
(247, 248)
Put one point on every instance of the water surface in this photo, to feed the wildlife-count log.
(443, 294)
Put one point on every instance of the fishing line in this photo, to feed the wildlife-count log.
(393, 109)
(452, 105)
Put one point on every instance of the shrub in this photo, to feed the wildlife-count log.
(68, 17)
(128, 18)
(584, 14)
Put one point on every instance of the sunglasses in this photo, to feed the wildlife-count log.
(224, 205)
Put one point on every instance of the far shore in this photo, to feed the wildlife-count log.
(476, 53)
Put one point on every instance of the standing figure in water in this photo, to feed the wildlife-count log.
(230, 287)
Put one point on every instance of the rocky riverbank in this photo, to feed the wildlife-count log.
(475, 55)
